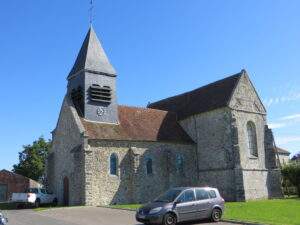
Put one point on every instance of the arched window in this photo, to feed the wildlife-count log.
(113, 163)
(252, 142)
(149, 166)
(179, 163)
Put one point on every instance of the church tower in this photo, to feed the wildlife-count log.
(92, 83)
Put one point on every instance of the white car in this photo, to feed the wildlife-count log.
(3, 220)
(35, 196)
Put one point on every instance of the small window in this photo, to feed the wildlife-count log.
(212, 194)
(201, 194)
(252, 139)
(113, 164)
(179, 163)
(149, 166)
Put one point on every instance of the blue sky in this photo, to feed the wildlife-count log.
(159, 48)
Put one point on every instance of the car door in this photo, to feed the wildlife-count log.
(44, 197)
(185, 205)
(203, 203)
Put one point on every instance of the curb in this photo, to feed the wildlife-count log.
(107, 207)
(241, 222)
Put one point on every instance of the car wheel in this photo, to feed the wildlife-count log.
(216, 215)
(54, 202)
(169, 219)
(37, 203)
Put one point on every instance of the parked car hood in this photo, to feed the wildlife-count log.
(153, 205)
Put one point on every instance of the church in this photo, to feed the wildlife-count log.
(105, 153)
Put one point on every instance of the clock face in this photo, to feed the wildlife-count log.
(100, 111)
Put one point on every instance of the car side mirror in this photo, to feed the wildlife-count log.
(176, 202)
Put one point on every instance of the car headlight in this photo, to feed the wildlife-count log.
(155, 210)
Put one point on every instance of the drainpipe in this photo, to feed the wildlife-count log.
(197, 155)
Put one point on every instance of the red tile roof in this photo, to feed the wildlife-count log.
(139, 124)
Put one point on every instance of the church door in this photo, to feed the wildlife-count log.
(66, 191)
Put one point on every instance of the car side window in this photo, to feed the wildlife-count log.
(181, 198)
(189, 196)
(201, 194)
(212, 194)
(43, 191)
(32, 190)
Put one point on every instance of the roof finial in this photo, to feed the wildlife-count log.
(91, 12)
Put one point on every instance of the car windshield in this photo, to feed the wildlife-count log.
(168, 196)
(32, 190)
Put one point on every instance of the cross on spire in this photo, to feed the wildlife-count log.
(91, 11)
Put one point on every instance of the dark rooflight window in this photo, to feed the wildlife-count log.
(100, 94)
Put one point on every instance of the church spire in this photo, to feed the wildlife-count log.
(92, 57)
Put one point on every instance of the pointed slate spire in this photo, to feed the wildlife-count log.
(92, 57)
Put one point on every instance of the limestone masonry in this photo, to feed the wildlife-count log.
(104, 153)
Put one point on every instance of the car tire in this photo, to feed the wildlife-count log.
(170, 219)
(54, 203)
(37, 203)
(216, 215)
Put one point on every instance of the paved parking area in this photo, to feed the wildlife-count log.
(77, 216)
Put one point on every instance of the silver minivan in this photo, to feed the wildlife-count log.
(181, 205)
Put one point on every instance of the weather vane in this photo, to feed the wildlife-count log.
(91, 11)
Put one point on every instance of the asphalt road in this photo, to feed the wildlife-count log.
(77, 216)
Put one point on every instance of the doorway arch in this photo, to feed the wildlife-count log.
(66, 191)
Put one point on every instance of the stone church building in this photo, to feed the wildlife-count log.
(104, 153)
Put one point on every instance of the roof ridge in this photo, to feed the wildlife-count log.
(145, 108)
(202, 87)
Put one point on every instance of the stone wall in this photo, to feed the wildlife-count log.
(132, 184)
(66, 158)
(224, 160)
(217, 154)
(260, 180)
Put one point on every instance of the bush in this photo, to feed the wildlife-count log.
(291, 173)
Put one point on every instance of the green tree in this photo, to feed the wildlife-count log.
(291, 172)
(32, 159)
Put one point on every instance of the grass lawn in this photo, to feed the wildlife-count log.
(7, 206)
(275, 212)
(131, 207)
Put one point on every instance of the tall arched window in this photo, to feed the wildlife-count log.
(149, 166)
(179, 163)
(113, 163)
(252, 140)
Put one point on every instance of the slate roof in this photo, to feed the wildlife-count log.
(203, 99)
(92, 57)
(139, 124)
(282, 151)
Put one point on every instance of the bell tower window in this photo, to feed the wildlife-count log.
(100, 94)
(78, 101)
